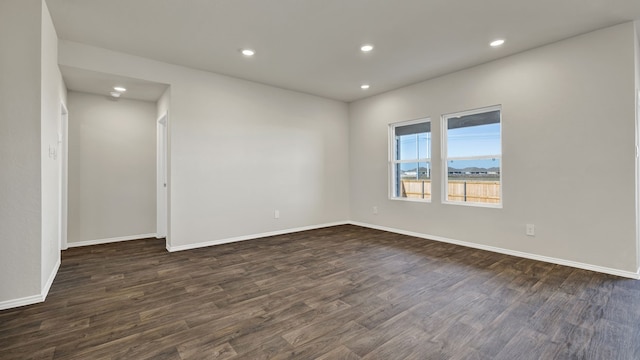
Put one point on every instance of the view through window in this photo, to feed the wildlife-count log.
(411, 160)
(473, 153)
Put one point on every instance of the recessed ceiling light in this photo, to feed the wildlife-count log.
(119, 88)
(115, 94)
(248, 52)
(366, 48)
(364, 86)
(496, 43)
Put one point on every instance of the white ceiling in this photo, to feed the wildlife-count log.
(102, 84)
(313, 46)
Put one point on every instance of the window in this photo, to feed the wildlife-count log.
(410, 160)
(473, 157)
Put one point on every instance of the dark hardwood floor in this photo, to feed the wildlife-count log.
(343, 292)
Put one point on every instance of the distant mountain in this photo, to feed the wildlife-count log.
(420, 169)
(475, 169)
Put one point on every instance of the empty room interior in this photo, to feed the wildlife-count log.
(414, 179)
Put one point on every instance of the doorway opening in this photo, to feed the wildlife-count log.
(114, 158)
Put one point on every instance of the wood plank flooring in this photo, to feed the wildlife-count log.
(343, 292)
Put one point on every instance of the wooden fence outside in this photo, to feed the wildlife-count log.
(415, 188)
(459, 190)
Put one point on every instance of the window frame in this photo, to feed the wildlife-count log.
(445, 158)
(392, 161)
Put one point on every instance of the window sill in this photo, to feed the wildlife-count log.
(471, 204)
(410, 199)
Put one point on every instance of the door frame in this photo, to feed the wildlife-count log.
(63, 193)
(162, 179)
(637, 181)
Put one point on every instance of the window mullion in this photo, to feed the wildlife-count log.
(479, 157)
(410, 161)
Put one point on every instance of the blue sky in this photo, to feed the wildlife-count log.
(474, 141)
(462, 142)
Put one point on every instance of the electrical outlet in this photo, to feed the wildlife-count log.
(531, 230)
(375, 210)
(276, 214)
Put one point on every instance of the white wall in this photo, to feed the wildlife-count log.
(30, 93)
(20, 220)
(112, 168)
(52, 94)
(568, 152)
(240, 150)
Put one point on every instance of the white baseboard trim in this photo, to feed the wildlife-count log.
(33, 299)
(110, 240)
(52, 276)
(253, 236)
(575, 264)
(24, 301)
